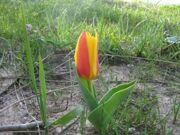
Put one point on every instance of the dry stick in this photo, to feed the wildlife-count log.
(140, 81)
(33, 96)
(17, 96)
(27, 126)
(17, 89)
(19, 127)
(24, 86)
(38, 128)
(148, 59)
(37, 124)
(22, 77)
(63, 62)
(3, 91)
(25, 131)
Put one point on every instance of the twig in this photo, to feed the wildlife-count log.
(140, 81)
(25, 131)
(17, 95)
(38, 128)
(16, 89)
(32, 125)
(20, 127)
(141, 58)
(33, 96)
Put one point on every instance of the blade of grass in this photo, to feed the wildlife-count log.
(27, 48)
(67, 117)
(43, 103)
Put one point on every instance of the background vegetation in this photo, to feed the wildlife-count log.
(126, 30)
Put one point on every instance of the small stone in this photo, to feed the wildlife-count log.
(130, 65)
(88, 124)
(58, 130)
(29, 27)
(131, 130)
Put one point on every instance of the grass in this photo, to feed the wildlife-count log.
(135, 30)
(126, 29)
(27, 49)
(143, 112)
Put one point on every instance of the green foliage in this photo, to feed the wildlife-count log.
(67, 117)
(88, 97)
(43, 103)
(114, 90)
(43, 96)
(29, 56)
(101, 114)
(141, 113)
(176, 109)
(125, 29)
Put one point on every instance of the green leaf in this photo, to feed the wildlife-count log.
(43, 110)
(114, 90)
(67, 117)
(88, 97)
(29, 56)
(102, 115)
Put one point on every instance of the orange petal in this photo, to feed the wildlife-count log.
(82, 57)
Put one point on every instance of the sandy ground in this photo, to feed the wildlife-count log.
(18, 104)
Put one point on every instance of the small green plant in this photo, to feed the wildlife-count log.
(101, 112)
(42, 97)
(41, 94)
(27, 48)
(176, 108)
(86, 60)
(43, 104)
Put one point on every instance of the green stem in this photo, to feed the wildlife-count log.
(176, 113)
(102, 131)
(46, 131)
(91, 88)
(83, 117)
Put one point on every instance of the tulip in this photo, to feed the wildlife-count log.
(86, 56)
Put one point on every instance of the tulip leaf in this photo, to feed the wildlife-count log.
(102, 115)
(87, 95)
(114, 90)
(43, 96)
(67, 117)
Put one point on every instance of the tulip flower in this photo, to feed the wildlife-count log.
(87, 65)
(86, 56)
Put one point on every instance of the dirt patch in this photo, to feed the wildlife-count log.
(19, 105)
(7, 78)
(163, 84)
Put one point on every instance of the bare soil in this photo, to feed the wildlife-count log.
(18, 104)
